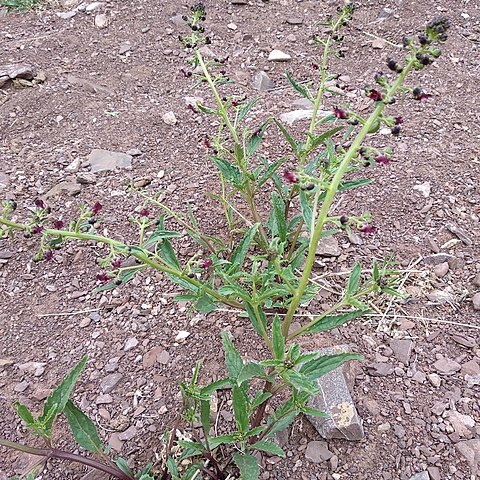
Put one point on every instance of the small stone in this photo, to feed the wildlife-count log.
(446, 366)
(109, 383)
(142, 182)
(441, 297)
(434, 379)
(318, 452)
(476, 280)
(91, 7)
(471, 368)
(278, 56)
(438, 408)
(232, 26)
(5, 362)
(476, 301)
(328, 247)
(101, 20)
(104, 160)
(402, 349)
(420, 476)
(384, 427)
(380, 369)
(419, 376)
(378, 43)
(354, 238)
(134, 152)
(239, 2)
(128, 434)
(85, 322)
(4, 180)
(459, 233)
(294, 20)
(261, 81)
(21, 387)
(150, 358)
(295, 115)
(182, 335)
(470, 450)
(437, 258)
(115, 442)
(5, 254)
(163, 357)
(169, 118)
(424, 188)
(124, 48)
(67, 188)
(104, 399)
(399, 431)
(434, 473)
(86, 178)
(40, 394)
(464, 340)
(130, 344)
(441, 270)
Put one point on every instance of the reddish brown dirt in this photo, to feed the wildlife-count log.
(44, 128)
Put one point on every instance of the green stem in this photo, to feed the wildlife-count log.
(71, 457)
(331, 192)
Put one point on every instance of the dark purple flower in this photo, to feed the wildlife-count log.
(205, 263)
(207, 142)
(40, 203)
(290, 176)
(103, 277)
(191, 107)
(96, 208)
(420, 94)
(375, 95)
(116, 262)
(37, 229)
(382, 159)
(144, 213)
(398, 120)
(315, 66)
(58, 224)
(48, 255)
(368, 229)
(340, 113)
(396, 131)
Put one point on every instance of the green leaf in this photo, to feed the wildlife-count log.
(268, 447)
(316, 141)
(205, 415)
(300, 381)
(213, 387)
(354, 280)
(83, 429)
(245, 109)
(269, 172)
(24, 413)
(240, 408)
(222, 439)
(230, 172)
(313, 412)
(393, 292)
(299, 88)
(260, 323)
(250, 370)
(279, 225)
(287, 136)
(281, 423)
(306, 210)
(326, 363)
(123, 466)
(333, 321)
(248, 466)
(205, 304)
(278, 339)
(256, 139)
(233, 359)
(165, 247)
(56, 402)
(375, 272)
(160, 234)
(173, 468)
(260, 397)
(239, 254)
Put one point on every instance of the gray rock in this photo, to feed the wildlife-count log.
(295, 115)
(434, 379)
(437, 258)
(464, 340)
(104, 399)
(17, 70)
(446, 366)
(471, 368)
(342, 420)
(180, 24)
(328, 247)
(294, 20)
(434, 473)
(303, 104)
(402, 349)
(420, 476)
(278, 56)
(470, 450)
(459, 233)
(124, 48)
(128, 434)
(463, 424)
(441, 297)
(109, 383)
(86, 178)
(476, 301)
(5, 254)
(380, 369)
(4, 180)
(441, 270)
(64, 188)
(104, 160)
(261, 81)
(476, 280)
(101, 20)
(163, 357)
(239, 2)
(318, 452)
(130, 344)
(21, 387)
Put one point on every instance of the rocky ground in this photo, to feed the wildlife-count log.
(108, 76)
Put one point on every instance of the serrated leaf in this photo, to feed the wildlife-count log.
(259, 322)
(83, 429)
(299, 88)
(278, 221)
(222, 439)
(56, 402)
(282, 423)
(248, 466)
(24, 413)
(268, 447)
(268, 173)
(300, 381)
(205, 304)
(233, 359)
(173, 468)
(314, 412)
(256, 139)
(205, 415)
(250, 370)
(239, 254)
(260, 397)
(122, 464)
(278, 339)
(230, 172)
(245, 109)
(306, 210)
(326, 363)
(213, 387)
(165, 247)
(240, 408)
(332, 321)
(354, 279)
